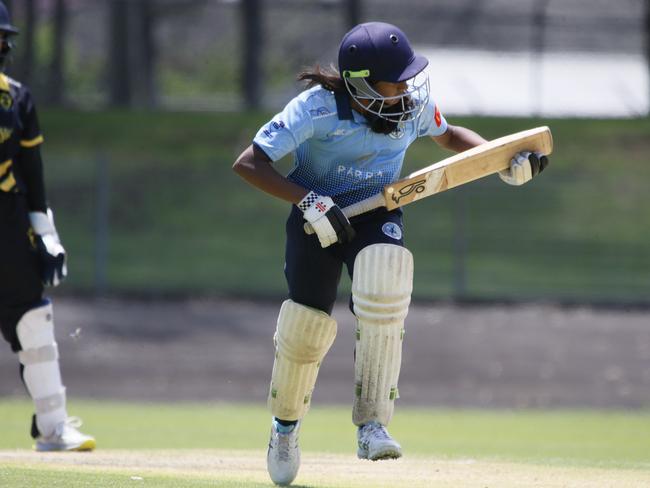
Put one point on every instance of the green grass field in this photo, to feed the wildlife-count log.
(182, 221)
(196, 445)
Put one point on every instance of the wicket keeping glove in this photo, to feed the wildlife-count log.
(523, 167)
(50, 250)
(326, 218)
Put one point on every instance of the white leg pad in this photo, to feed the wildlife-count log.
(381, 292)
(303, 337)
(40, 359)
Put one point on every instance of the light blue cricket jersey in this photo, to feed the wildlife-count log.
(335, 152)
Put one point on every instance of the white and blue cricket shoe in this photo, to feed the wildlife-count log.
(283, 457)
(375, 443)
(66, 437)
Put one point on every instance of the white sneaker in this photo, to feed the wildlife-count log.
(283, 457)
(66, 437)
(375, 443)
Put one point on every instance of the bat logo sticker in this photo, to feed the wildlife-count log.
(417, 187)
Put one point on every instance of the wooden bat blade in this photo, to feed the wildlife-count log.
(483, 160)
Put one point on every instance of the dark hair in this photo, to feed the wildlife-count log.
(328, 78)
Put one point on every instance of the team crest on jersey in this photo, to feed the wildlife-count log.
(6, 102)
(5, 133)
(399, 132)
(392, 230)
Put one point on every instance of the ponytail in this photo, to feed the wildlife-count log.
(328, 78)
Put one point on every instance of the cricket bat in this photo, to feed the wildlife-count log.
(465, 167)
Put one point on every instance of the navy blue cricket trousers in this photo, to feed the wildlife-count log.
(313, 273)
(20, 279)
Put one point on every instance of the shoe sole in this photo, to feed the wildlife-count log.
(88, 445)
(277, 479)
(380, 455)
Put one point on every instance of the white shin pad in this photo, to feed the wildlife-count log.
(40, 359)
(381, 292)
(303, 337)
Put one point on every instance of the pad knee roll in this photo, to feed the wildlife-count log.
(40, 359)
(303, 337)
(381, 292)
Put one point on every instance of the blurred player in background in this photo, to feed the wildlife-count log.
(31, 256)
(349, 132)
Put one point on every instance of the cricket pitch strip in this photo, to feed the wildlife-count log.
(248, 468)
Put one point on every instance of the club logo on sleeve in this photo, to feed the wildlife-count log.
(392, 230)
(438, 117)
(274, 127)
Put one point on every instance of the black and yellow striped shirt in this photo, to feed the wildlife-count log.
(19, 131)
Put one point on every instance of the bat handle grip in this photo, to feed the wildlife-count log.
(355, 209)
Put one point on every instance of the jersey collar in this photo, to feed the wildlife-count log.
(344, 109)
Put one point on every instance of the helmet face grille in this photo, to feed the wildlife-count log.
(406, 106)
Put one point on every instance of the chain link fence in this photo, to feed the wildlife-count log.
(229, 54)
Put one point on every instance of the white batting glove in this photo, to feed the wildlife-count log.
(523, 167)
(51, 252)
(326, 218)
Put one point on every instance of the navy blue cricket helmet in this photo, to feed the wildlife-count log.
(5, 21)
(377, 51)
(7, 30)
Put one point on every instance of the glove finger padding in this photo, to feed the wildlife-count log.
(51, 253)
(538, 162)
(543, 161)
(326, 218)
(344, 230)
(519, 171)
(523, 167)
(534, 164)
(52, 262)
(522, 171)
(324, 231)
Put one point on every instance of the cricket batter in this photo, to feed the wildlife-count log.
(349, 132)
(31, 256)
